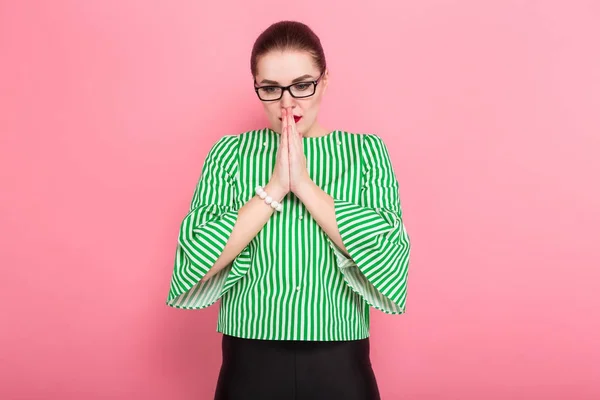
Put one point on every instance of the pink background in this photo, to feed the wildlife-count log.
(490, 109)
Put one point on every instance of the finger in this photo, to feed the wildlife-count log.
(291, 123)
(291, 143)
(284, 139)
(294, 126)
(288, 132)
(291, 129)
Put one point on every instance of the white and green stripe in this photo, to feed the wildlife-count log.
(292, 282)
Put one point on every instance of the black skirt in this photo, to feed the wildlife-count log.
(296, 370)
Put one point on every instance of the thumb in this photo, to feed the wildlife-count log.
(291, 143)
(284, 137)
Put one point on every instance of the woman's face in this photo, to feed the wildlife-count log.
(278, 68)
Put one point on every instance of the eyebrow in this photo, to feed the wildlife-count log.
(298, 79)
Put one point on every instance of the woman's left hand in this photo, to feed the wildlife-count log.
(298, 172)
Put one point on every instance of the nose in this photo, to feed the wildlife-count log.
(286, 99)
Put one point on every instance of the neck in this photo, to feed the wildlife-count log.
(316, 130)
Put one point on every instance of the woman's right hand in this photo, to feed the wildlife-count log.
(279, 183)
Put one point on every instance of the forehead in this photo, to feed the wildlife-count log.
(284, 66)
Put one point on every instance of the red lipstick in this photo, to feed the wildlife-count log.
(296, 118)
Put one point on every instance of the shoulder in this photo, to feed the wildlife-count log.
(223, 148)
(364, 137)
(371, 143)
(373, 139)
(228, 147)
(375, 146)
(222, 154)
(373, 150)
(224, 143)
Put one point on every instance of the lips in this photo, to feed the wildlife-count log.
(296, 118)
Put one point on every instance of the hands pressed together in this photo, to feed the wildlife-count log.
(290, 171)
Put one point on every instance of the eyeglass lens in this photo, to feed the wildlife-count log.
(298, 90)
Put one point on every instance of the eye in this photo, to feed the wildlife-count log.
(269, 89)
(302, 86)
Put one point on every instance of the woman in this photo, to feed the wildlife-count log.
(298, 230)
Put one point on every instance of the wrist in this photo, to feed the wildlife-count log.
(303, 188)
(277, 192)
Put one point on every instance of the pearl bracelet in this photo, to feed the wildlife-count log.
(268, 199)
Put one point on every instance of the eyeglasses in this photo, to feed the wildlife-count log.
(298, 90)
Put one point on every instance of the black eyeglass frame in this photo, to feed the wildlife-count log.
(284, 88)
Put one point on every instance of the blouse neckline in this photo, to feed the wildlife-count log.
(311, 138)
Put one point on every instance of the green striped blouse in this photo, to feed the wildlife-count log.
(291, 282)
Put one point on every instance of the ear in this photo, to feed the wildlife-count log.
(325, 81)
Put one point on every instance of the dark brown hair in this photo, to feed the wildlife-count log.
(288, 35)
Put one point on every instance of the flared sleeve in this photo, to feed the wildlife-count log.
(374, 234)
(205, 230)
